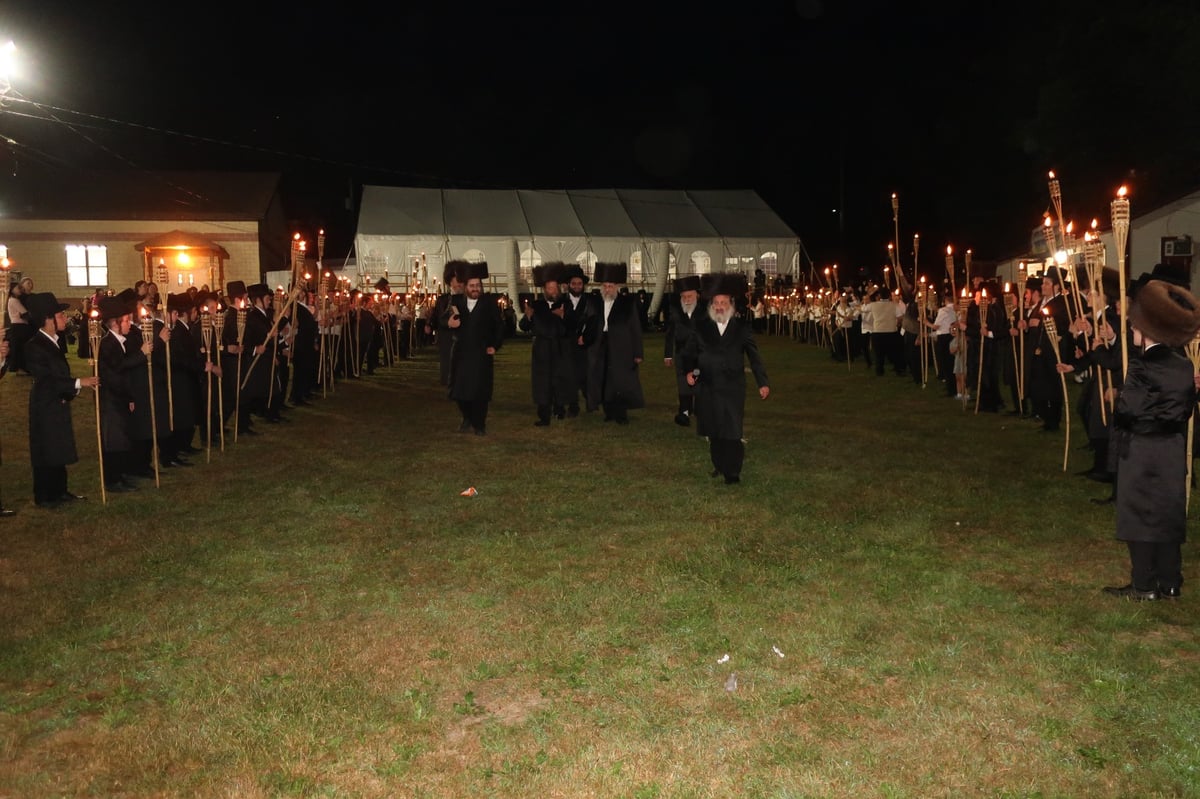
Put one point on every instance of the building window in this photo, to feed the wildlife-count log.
(700, 263)
(529, 259)
(769, 263)
(635, 267)
(587, 260)
(87, 265)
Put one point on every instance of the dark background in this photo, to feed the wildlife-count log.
(824, 108)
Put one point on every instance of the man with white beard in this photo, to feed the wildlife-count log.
(681, 320)
(615, 349)
(713, 362)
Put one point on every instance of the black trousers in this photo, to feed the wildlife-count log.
(728, 455)
(1155, 565)
(49, 483)
(474, 412)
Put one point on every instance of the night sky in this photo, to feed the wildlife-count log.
(824, 108)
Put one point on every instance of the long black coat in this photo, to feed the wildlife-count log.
(115, 365)
(257, 333)
(1043, 383)
(471, 368)
(551, 374)
(721, 387)
(444, 335)
(1150, 438)
(679, 330)
(612, 368)
(51, 436)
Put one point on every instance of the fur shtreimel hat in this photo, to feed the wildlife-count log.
(551, 272)
(1166, 313)
(687, 283)
(179, 302)
(473, 271)
(605, 272)
(453, 269)
(731, 284)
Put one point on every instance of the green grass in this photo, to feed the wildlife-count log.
(319, 613)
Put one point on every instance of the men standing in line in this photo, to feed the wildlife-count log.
(116, 359)
(1044, 392)
(550, 372)
(713, 360)
(452, 279)
(304, 352)
(474, 319)
(616, 352)
(231, 355)
(682, 316)
(51, 435)
(584, 309)
(258, 352)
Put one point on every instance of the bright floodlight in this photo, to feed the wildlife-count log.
(8, 60)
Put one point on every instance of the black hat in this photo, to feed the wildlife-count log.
(179, 302)
(44, 305)
(551, 272)
(687, 283)
(382, 285)
(574, 271)
(257, 290)
(235, 289)
(454, 269)
(1033, 283)
(112, 307)
(203, 298)
(610, 272)
(474, 271)
(731, 284)
(1053, 275)
(1166, 312)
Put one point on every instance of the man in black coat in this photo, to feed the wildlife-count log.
(713, 360)
(436, 326)
(1044, 385)
(51, 435)
(116, 359)
(474, 318)
(583, 307)
(1150, 439)
(615, 351)
(304, 354)
(682, 316)
(551, 374)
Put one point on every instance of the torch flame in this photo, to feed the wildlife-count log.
(1121, 192)
(1047, 222)
(1052, 174)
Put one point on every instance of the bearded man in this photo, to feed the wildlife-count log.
(473, 318)
(681, 321)
(616, 348)
(713, 362)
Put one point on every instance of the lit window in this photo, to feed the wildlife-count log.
(769, 263)
(587, 260)
(700, 263)
(87, 265)
(529, 259)
(635, 267)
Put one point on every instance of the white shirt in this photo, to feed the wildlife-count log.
(608, 304)
(721, 327)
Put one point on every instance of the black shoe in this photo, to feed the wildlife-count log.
(682, 419)
(464, 427)
(67, 496)
(48, 504)
(6, 512)
(481, 431)
(1103, 500)
(1099, 477)
(715, 473)
(730, 479)
(542, 423)
(189, 449)
(622, 420)
(120, 488)
(1129, 592)
(573, 411)
(176, 462)
(559, 413)
(248, 432)
(1165, 592)
(1012, 413)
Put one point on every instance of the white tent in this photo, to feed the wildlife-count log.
(409, 233)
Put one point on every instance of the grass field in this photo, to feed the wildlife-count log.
(901, 599)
